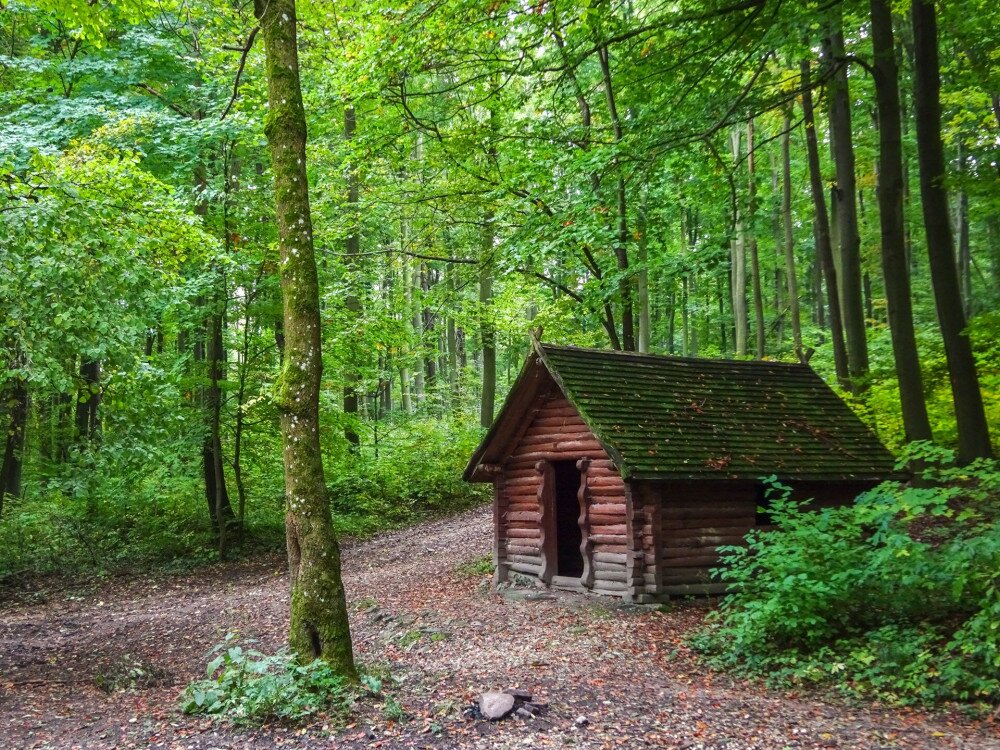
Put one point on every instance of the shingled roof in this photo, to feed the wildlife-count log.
(664, 417)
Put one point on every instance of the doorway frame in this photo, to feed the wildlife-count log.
(549, 539)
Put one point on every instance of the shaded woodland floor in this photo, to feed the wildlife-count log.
(102, 667)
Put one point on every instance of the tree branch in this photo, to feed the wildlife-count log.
(244, 51)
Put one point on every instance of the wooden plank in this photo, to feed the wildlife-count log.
(705, 540)
(609, 509)
(614, 529)
(551, 455)
(569, 436)
(707, 524)
(609, 478)
(670, 551)
(696, 589)
(522, 547)
(744, 513)
(610, 557)
(532, 533)
(617, 564)
(511, 525)
(609, 588)
(615, 539)
(613, 549)
(693, 561)
(599, 493)
(522, 515)
(547, 523)
(606, 576)
(522, 480)
(558, 410)
(525, 559)
(690, 575)
(499, 531)
(602, 519)
(525, 568)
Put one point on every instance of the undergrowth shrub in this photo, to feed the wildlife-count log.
(896, 597)
(413, 472)
(247, 686)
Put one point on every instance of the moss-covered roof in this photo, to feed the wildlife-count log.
(663, 417)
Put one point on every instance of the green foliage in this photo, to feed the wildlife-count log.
(481, 566)
(246, 686)
(895, 597)
(413, 472)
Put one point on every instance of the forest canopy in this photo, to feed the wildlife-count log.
(811, 181)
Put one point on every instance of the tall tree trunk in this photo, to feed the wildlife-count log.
(895, 270)
(758, 294)
(217, 493)
(428, 324)
(352, 303)
(824, 250)
(642, 290)
(451, 343)
(88, 401)
(417, 324)
(17, 400)
(738, 274)
(964, 245)
(973, 430)
(846, 207)
(318, 626)
(487, 331)
(789, 238)
(621, 244)
(671, 319)
(241, 390)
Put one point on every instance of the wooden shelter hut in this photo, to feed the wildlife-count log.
(621, 473)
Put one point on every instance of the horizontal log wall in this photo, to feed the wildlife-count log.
(696, 518)
(557, 433)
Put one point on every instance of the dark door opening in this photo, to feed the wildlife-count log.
(569, 559)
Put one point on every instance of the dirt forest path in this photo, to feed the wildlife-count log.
(103, 669)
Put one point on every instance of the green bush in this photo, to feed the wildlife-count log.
(413, 472)
(895, 597)
(247, 686)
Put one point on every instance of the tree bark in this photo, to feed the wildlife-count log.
(738, 274)
(895, 270)
(217, 493)
(642, 285)
(962, 230)
(318, 627)
(789, 238)
(487, 331)
(757, 291)
(88, 401)
(352, 303)
(846, 206)
(17, 401)
(973, 430)
(621, 240)
(824, 250)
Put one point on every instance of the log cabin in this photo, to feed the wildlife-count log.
(622, 474)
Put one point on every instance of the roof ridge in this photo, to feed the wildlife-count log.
(676, 357)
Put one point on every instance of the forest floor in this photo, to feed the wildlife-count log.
(101, 665)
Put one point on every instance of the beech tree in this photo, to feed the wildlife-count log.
(973, 429)
(318, 627)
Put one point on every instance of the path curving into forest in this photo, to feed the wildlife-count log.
(103, 668)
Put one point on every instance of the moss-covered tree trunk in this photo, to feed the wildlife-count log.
(319, 626)
(895, 269)
(973, 428)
